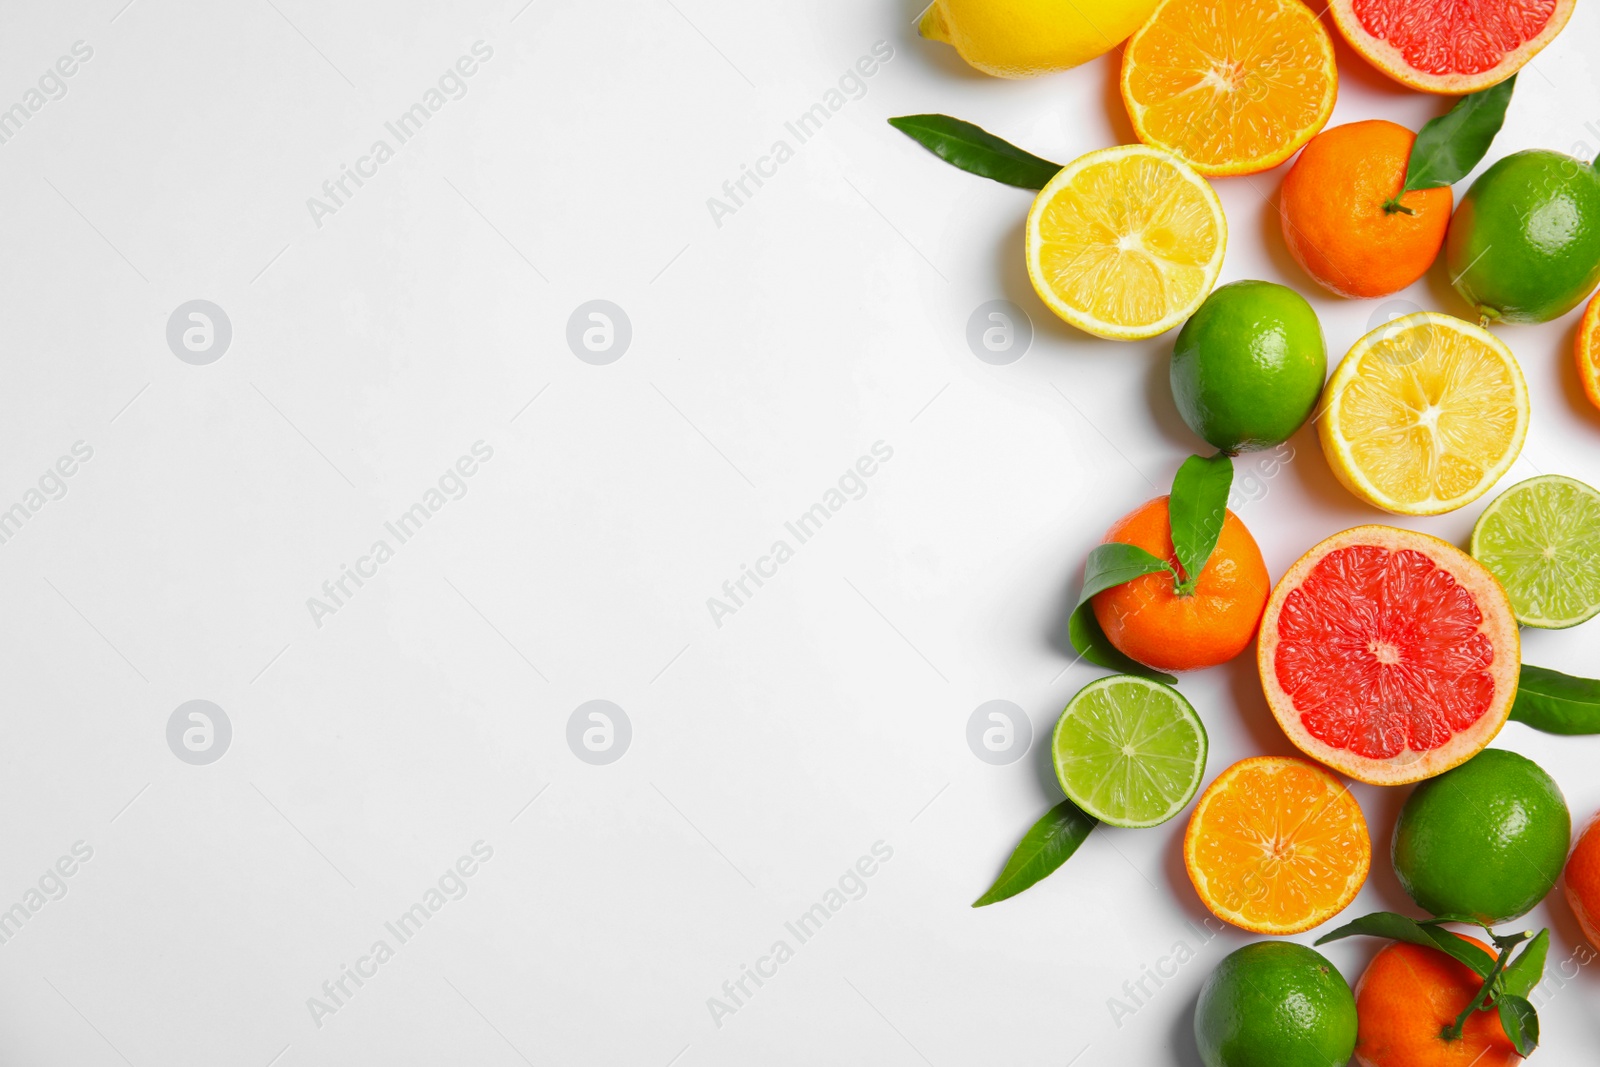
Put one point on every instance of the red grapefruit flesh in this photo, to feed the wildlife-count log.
(1389, 655)
(1450, 46)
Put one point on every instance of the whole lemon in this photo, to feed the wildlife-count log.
(1024, 38)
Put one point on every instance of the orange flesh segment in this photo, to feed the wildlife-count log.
(1225, 85)
(1279, 845)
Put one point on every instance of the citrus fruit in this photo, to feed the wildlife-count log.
(1129, 751)
(1524, 246)
(1125, 242)
(1275, 1004)
(1541, 538)
(1023, 38)
(1389, 655)
(1248, 366)
(1340, 217)
(1233, 87)
(1486, 839)
(1588, 351)
(1276, 845)
(1449, 46)
(1148, 620)
(1405, 999)
(1424, 414)
(1583, 881)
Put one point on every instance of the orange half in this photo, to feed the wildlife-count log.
(1231, 87)
(1589, 351)
(1277, 845)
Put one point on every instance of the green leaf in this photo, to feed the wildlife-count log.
(1114, 563)
(1520, 1021)
(1110, 565)
(961, 144)
(1557, 703)
(1196, 510)
(1527, 970)
(1449, 146)
(1396, 927)
(1046, 846)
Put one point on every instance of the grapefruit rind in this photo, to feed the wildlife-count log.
(1391, 60)
(1499, 625)
(1198, 834)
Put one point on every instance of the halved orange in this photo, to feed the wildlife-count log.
(1231, 86)
(1277, 845)
(1588, 351)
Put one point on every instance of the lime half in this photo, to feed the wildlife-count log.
(1541, 538)
(1129, 751)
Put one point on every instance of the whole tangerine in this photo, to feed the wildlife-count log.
(1583, 881)
(1587, 349)
(1342, 221)
(1407, 997)
(1149, 620)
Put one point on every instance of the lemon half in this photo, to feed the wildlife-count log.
(1126, 242)
(1424, 414)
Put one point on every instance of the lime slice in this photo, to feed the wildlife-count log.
(1129, 751)
(1541, 538)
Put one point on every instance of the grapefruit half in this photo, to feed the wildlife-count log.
(1389, 655)
(1449, 46)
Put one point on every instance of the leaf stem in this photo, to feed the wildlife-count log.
(1393, 204)
(1480, 1002)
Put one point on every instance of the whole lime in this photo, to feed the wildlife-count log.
(1486, 839)
(1275, 1004)
(1248, 366)
(1524, 245)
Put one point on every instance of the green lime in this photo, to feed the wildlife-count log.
(1248, 366)
(1541, 538)
(1275, 1004)
(1485, 839)
(1129, 751)
(1524, 244)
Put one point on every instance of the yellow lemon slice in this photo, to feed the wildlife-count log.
(1424, 414)
(1126, 242)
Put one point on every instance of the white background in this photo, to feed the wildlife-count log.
(768, 354)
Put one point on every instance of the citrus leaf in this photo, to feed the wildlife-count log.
(1557, 703)
(1527, 970)
(976, 150)
(1397, 927)
(1196, 510)
(1520, 1022)
(1109, 565)
(1114, 563)
(1048, 844)
(1449, 146)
